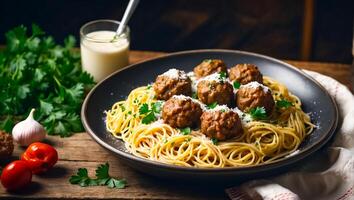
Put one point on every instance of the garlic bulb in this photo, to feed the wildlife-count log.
(28, 131)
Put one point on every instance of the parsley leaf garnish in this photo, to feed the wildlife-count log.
(258, 113)
(213, 105)
(236, 85)
(185, 131)
(284, 104)
(149, 118)
(102, 178)
(156, 107)
(222, 75)
(214, 140)
(195, 95)
(150, 113)
(144, 109)
(36, 72)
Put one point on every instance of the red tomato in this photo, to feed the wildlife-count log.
(40, 157)
(16, 175)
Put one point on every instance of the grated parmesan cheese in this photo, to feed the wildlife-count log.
(255, 84)
(194, 81)
(245, 118)
(213, 77)
(184, 97)
(222, 108)
(175, 74)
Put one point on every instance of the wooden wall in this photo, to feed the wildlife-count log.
(271, 27)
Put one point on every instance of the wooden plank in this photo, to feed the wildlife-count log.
(74, 153)
(81, 151)
(307, 30)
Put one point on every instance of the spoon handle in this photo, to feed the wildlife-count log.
(127, 14)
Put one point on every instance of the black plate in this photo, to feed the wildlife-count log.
(116, 87)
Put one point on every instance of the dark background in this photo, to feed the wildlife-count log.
(271, 27)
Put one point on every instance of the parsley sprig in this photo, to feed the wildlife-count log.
(258, 113)
(212, 105)
(185, 131)
(284, 103)
(102, 178)
(149, 113)
(236, 85)
(36, 72)
(222, 75)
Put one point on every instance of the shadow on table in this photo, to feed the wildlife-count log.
(55, 172)
(31, 189)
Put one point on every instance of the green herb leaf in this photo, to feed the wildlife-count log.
(213, 105)
(69, 42)
(116, 183)
(214, 140)
(36, 30)
(185, 131)
(144, 109)
(222, 75)
(7, 124)
(38, 73)
(156, 107)
(150, 114)
(80, 177)
(195, 95)
(102, 178)
(236, 85)
(284, 104)
(258, 113)
(102, 171)
(149, 118)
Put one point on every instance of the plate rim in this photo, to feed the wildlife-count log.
(286, 161)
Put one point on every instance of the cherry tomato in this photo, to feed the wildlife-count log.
(40, 157)
(16, 175)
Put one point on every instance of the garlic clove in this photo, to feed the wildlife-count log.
(28, 131)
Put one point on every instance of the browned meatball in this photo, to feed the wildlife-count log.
(180, 112)
(254, 95)
(208, 67)
(245, 73)
(172, 82)
(6, 144)
(210, 91)
(221, 125)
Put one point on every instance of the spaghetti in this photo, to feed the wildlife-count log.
(262, 142)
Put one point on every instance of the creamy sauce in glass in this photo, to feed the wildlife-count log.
(101, 55)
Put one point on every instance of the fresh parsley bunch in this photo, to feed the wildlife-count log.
(36, 72)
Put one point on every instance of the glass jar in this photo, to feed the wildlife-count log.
(102, 50)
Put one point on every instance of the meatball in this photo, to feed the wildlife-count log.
(180, 111)
(254, 95)
(6, 144)
(211, 91)
(221, 124)
(245, 73)
(208, 67)
(172, 82)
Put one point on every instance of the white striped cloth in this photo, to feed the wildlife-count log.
(328, 176)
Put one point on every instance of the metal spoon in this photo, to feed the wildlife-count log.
(127, 14)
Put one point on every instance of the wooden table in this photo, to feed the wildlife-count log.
(81, 151)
